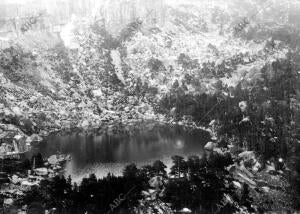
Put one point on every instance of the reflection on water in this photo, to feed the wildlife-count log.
(110, 149)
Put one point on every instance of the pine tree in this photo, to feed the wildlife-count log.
(179, 167)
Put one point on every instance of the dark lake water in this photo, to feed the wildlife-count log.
(109, 149)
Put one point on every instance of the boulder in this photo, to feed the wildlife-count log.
(26, 185)
(237, 185)
(214, 137)
(212, 123)
(243, 106)
(218, 151)
(247, 155)
(245, 179)
(245, 120)
(97, 93)
(17, 111)
(210, 146)
(126, 109)
(8, 201)
(53, 160)
(8, 113)
(41, 171)
(62, 112)
(33, 99)
(266, 189)
(15, 179)
(85, 123)
(173, 111)
(76, 96)
(57, 123)
(18, 137)
(185, 210)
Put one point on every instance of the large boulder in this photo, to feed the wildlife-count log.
(97, 93)
(15, 179)
(85, 123)
(17, 111)
(53, 160)
(185, 210)
(18, 138)
(266, 189)
(247, 155)
(8, 201)
(210, 146)
(243, 106)
(41, 171)
(237, 184)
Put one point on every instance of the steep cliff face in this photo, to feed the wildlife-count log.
(117, 13)
(20, 19)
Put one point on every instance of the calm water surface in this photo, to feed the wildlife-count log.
(109, 149)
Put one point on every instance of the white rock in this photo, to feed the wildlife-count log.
(53, 160)
(186, 210)
(17, 111)
(57, 123)
(245, 119)
(214, 137)
(218, 150)
(10, 97)
(209, 146)
(97, 93)
(41, 171)
(266, 189)
(62, 112)
(81, 105)
(33, 99)
(8, 201)
(237, 184)
(212, 122)
(126, 109)
(18, 137)
(243, 105)
(14, 179)
(34, 137)
(247, 155)
(76, 95)
(28, 184)
(85, 123)
(7, 112)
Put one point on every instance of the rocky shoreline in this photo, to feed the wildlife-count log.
(19, 183)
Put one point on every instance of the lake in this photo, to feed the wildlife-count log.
(111, 148)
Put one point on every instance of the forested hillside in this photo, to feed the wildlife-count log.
(232, 67)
